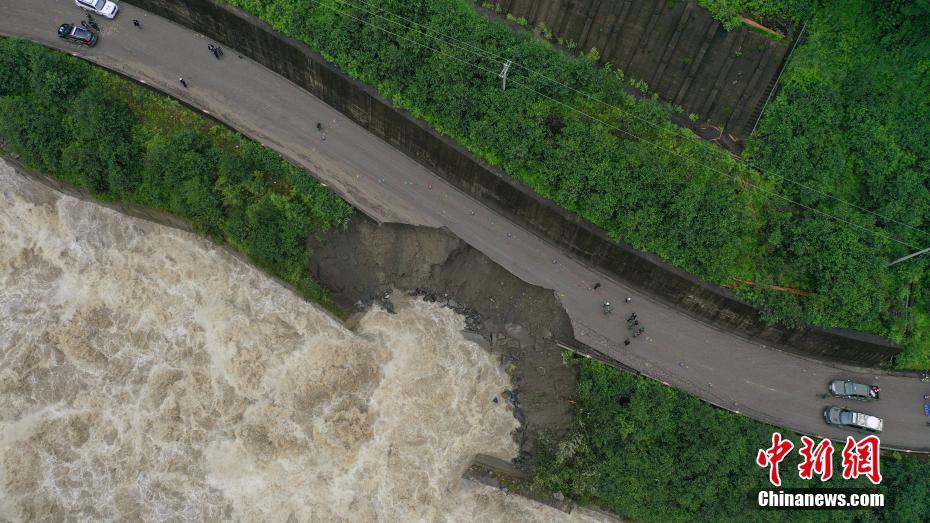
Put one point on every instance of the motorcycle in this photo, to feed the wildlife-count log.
(216, 50)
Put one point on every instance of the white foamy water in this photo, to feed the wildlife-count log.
(147, 375)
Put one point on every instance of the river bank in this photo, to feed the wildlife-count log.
(364, 264)
(145, 372)
(520, 324)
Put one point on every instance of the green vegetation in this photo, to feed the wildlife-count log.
(675, 196)
(697, 218)
(651, 453)
(123, 142)
(731, 12)
(852, 118)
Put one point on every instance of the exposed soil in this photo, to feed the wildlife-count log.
(365, 263)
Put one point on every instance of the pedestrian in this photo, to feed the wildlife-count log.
(319, 127)
(181, 79)
(628, 299)
(597, 286)
(626, 341)
(91, 22)
(137, 23)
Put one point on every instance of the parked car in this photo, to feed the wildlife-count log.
(104, 8)
(853, 420)
(77, 34)
(854, 391)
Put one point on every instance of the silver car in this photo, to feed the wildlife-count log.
(853, 391)
(853, 420)
(104, 8)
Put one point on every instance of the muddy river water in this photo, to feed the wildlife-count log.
(146, 374)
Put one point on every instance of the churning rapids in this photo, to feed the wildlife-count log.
(147, 375)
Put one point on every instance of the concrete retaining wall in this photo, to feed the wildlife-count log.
(363, 105)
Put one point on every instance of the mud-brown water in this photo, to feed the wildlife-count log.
(146, 374)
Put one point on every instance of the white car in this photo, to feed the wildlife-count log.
(104, 8)
(852, 420)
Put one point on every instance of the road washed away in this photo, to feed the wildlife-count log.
(147, 374)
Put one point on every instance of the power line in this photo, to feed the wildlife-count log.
(610, 126)
(488, 54)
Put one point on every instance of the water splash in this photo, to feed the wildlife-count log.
(147, 375)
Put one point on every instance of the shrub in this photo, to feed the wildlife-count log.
(123, 142)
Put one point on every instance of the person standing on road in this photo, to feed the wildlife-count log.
(181, 79)
(137, 23)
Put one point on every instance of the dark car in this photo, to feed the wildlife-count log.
(853, 391)
(77, 34)
(852, 420)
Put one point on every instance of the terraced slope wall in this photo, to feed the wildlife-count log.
(709, 303)
(675, 46)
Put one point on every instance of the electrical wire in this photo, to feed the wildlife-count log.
(608, 125)
(488, 54)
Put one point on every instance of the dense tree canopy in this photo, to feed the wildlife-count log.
(852, 119)
(122, 142)
(651, 453)
(565, 126)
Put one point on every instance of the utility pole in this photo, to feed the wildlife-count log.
(909, 256)
(503, 75)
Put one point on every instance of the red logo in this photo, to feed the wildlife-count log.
(859, 458)
(774, 455)
(817, 460)
(862, 459)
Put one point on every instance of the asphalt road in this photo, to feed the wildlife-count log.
(726, 370)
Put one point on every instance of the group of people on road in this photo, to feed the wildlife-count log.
(632, 321)
(632, 324)
(215, 50)
(90, 24)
